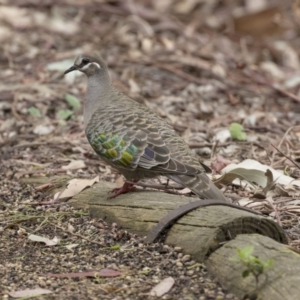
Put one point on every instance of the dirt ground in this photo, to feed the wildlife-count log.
(201, 65)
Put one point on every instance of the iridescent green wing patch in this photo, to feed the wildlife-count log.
(128, 155)
(114, 147)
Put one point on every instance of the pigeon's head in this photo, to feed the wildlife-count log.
(89, 65)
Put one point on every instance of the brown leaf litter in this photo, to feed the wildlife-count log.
(201, 67)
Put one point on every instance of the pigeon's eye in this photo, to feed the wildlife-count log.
(85, 61)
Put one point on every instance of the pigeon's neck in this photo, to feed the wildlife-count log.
(98, 89)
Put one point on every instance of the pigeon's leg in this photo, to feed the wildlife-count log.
(126, 188)
(163, 187)
(167, 183)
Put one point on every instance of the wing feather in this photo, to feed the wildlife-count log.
(135, 142)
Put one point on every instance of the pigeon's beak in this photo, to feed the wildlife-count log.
(73, 68)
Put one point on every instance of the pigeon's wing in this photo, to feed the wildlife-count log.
(133, 142)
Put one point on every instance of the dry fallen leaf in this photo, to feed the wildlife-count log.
(43, 129)
(74, 165)
(71, 246)
(29, 293)
(257, 173)
(27, 18)
(74, 187)
(233, 178)
(222, 135)
(219, 163)
(101, 273)
(48, 242)
(262, 23)
(163, 287)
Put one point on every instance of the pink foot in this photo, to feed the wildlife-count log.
(127, 187)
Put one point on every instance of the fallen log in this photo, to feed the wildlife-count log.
(210, 234)
(200, 232)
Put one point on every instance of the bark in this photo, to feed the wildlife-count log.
(279, 282)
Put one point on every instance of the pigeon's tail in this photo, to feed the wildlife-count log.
(200, 185)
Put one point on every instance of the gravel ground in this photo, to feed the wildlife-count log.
(25, 264)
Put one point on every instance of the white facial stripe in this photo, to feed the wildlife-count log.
(88, 65)
(97, 65)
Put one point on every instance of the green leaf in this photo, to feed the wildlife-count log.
(246, 273)
(248, 250)
(254, 265)
(72, 101)
(64, 114)
(35, 112)
(269, 263)
(245, 253)
(236, 132)
(115, 247)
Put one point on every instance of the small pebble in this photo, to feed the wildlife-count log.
(179, 264)
(177, 249)
(186, 258)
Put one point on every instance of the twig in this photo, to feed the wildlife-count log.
(33, 144)
(262, 81)
(44, 186)
(285, 93)
(278, 162)
(271, 202)
(39, 203)
(9, 225)
(290, 159)
(43, 170)
(214, 147)
(14, 109)
(179, 73)
(76, 234)
(286, 133)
